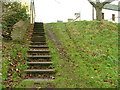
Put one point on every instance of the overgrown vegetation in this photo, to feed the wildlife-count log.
(12, 13)
(93, 50)
(14, 58)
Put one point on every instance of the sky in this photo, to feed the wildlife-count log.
(52, 10)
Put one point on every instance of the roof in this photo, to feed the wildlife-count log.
(112, 7)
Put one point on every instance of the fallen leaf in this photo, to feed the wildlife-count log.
(105, 80)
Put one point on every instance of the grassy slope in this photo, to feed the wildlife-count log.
(13, 62)
(93, 49)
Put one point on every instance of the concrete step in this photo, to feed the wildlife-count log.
(39, 70)
(39, 60)
(39, 56)
(38, 33)
(38, 43)
(38, 36)
(38, 25)
(38, 30)
(38, 79)
(38, 39)
(38, 46)
(39, 51)
(45, 63)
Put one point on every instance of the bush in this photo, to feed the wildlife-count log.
(13, 13)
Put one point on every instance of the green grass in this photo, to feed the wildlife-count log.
(91, 46)
(14, 57)
(93, 50)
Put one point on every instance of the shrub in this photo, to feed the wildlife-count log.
(13, 12)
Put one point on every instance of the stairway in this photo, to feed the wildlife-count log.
(39, 57)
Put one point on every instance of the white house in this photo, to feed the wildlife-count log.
(0, 18)
(32, 12)
(110, 12)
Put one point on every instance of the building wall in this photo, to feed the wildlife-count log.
(119, 17)
(30, 10)
(108, 15)
(0, 19)
(87, 13)
(26, 3)
(32, 13)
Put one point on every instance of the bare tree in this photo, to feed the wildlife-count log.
(98, 5)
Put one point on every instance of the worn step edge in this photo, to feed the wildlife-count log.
(38, 26)
(32, 56)
(38, 43)
(38, 46)
(38, 35)
(38, 79)
(39, 62)
(37, 32)
(39, 70)
(42, 50)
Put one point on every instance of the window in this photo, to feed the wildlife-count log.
(102, 15)
(113, 17)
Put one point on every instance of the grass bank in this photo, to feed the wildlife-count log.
(93, 50)
(14, 57)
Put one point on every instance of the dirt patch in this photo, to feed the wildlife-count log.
(59, 46)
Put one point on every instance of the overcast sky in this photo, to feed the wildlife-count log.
(53, 10)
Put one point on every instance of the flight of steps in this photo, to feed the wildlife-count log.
(39, 57)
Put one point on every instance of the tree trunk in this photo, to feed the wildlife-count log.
(98, 13)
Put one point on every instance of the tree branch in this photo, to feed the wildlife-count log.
(107, 2)
(91, 2)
